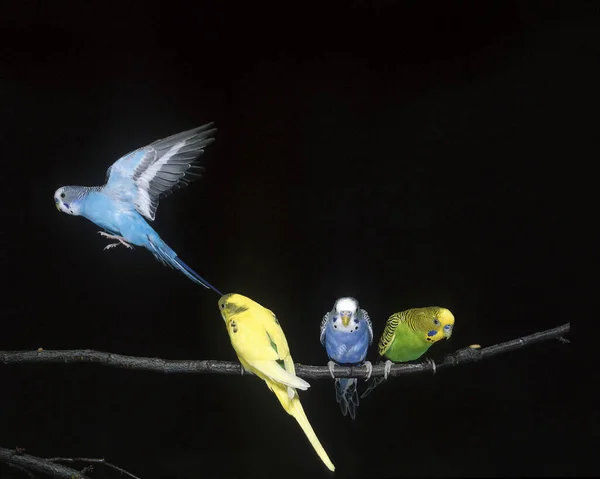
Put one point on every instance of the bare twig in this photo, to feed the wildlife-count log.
(462, 356)
(28, 464)
(89, 460)
(51, 467)
(16, 457)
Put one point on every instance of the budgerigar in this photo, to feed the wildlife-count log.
(346, 333)
(409, 334)
(262, 349)
(134, 185)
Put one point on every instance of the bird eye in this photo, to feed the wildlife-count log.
(62, 195)
(436, 321)
(222, 305)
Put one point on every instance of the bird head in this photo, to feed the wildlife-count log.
(68, 199)
(447, 321)
(233, 303)
(345, 309)
(437, 322)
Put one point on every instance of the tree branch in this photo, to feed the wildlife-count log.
(91, 460)
(16, 457)
(51, 466)
(462, 356)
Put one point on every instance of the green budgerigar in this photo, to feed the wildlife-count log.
(409, 334)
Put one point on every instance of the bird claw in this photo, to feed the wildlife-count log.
(386, 369)
(118, 238)
(331, 366)
(431, 362)
(369, 367)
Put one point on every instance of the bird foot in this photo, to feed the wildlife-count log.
(331, 366)
(369, 367)
(431, 362)
(386, 369)
(118, 238)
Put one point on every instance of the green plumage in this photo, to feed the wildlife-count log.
(405, 335)
(409, 334)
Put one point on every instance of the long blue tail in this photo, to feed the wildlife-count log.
(167, 256)
(347, 396)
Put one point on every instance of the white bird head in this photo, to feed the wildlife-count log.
(67, 199)
(346, 309)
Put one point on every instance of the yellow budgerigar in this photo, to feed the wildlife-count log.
(262, 349)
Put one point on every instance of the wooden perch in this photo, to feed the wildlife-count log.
(462, 356)
(52, 467)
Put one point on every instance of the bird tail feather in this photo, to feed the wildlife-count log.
(346, 396)
(296, 410)
(167, 256)
(374, 382)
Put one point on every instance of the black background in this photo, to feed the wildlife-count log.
(397, 152)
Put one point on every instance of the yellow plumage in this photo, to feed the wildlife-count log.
(261, 347)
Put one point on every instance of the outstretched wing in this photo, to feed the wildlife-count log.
(324, 322)
(366, 317)
(151, 172)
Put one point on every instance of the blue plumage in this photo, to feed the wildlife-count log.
(347, 347)
(134, 185)
(346, 333)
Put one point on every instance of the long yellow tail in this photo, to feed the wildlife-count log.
(297, 411)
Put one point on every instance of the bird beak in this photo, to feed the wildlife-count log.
(447, 332)
(56, 203)
(345, 319)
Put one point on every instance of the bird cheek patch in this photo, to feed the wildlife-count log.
(430, 334)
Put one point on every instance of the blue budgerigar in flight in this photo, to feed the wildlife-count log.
(134, 185)
(346, 333)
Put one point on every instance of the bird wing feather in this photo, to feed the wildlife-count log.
(366, 317)
(389, 332)
(324, 322)
(145, 175)
(259, 339)
(274, 371)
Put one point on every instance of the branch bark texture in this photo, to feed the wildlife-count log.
(26, 462)
(462, 356)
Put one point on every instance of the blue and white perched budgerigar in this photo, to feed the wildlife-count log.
(134, 185)
(346, 333)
